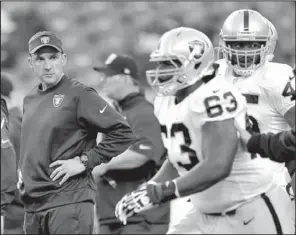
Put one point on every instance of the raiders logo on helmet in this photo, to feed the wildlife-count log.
(197, 48)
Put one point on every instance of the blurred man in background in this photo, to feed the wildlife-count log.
(8, 165)
(139, 163)
(14, 212)
(61, 120)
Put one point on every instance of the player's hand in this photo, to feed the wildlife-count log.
(66, 169)
(132, 204)
(144, 198)
(123, 210)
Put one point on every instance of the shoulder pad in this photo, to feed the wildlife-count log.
(276, 76)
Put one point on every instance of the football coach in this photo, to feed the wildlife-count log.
(61, 120)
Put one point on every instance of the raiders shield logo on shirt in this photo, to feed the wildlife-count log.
(57, 100)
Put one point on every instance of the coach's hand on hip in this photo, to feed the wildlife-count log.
(67, 169)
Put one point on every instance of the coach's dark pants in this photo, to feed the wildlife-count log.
(14, 218)
(68, 219)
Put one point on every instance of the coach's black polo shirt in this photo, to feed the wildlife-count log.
(61, 123)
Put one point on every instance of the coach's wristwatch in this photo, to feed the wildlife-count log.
(84, 161)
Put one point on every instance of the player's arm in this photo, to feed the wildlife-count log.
(219, 154)
(279, 147)
(165, 173)
(95, 115)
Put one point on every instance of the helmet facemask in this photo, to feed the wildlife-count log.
(244, 62)
(181, 71)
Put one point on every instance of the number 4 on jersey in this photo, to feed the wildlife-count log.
(289, 91)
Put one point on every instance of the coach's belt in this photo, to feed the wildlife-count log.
(232, 212)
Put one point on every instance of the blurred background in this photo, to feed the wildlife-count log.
(90, 31)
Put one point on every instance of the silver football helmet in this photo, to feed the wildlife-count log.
(245, 26)
(183, 56)
(273, 41)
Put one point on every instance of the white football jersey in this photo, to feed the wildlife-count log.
(181, 126)
(269, 96)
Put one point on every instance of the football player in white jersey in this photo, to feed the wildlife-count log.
(231, 192)
(248, 40)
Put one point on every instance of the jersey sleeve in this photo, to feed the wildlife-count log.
(218, 105)
(282, 95)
